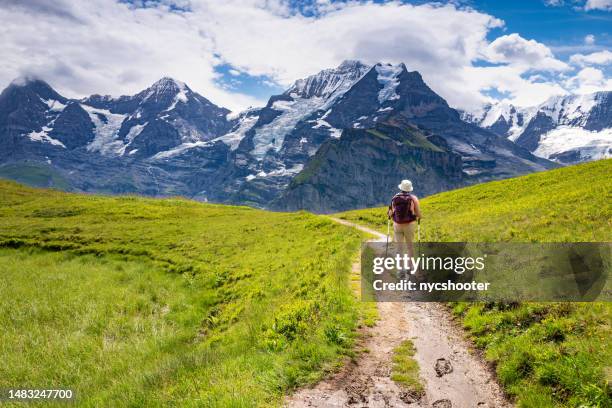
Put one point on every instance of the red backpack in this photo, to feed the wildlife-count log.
(402, 208)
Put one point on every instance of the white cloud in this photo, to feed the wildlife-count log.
(595, 58)
(508, 80)
(108, 47)
(530, 54)
(422, 36)
(589, 80)
(598, 5)
(589, 39)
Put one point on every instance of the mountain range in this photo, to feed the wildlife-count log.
(336, 140)
(566, 129)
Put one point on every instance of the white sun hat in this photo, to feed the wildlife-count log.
(405, 185)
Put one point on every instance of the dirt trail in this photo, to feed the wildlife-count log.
(453, 376)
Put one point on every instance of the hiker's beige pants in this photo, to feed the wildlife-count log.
(404, 235)
(404, 232)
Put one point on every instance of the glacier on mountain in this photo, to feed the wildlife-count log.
(272, 135)
(106, 131)
(235, 135)
(388, 78)
(314, 93)
(589, 145)
(179, 149)
(131, 135)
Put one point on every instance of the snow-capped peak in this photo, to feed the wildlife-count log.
(320, 92)
(502, 117)
(314, 93)
(167, 84)
(329, 81)
(562, 109)
(565, 128)
(168, 91)
(571, 109)
(493, 113)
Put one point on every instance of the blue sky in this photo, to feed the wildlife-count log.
(562, 26)
(257, 86)
(239, 52)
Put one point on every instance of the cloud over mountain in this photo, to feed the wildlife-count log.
(120, 47)
(529, 54)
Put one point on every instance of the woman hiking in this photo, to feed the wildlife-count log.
(405, 212)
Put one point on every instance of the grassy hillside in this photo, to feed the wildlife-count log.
(34, 174)
(562, 205)
(545, 354)
(144, 302)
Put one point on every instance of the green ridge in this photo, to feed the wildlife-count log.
(34, 174)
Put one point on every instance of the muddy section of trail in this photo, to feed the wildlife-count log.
(452, 374)
(366, 381)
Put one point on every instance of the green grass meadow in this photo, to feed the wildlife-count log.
(545, 354)
(143, 302)
(168, 302)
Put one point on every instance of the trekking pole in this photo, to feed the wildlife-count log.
(387, 243)
(418, 237)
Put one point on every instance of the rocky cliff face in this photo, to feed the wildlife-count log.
(363, 166)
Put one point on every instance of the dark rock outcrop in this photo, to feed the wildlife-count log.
(363, 167)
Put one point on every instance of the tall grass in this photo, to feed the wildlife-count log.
(144, 302)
